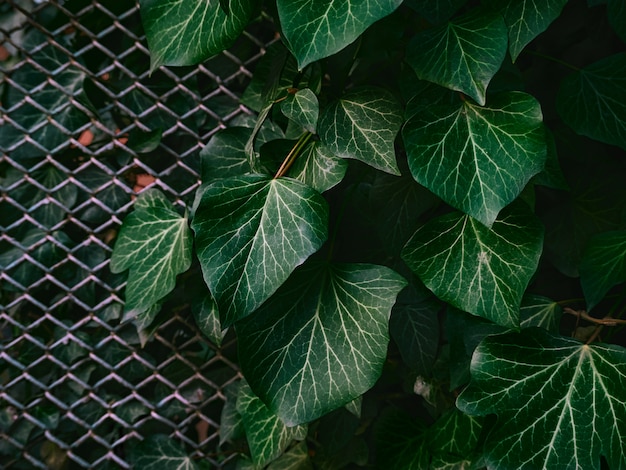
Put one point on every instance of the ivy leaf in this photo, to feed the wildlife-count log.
(527, 19)
(155, 244)
(321, 340)
(603, 265)
(251, 233)
(559, 402)
(436, 11)
(317, 167)
(616, 11)
(463, 54)
(186, 32)
(477, 159)
(363, 125)
(591, 100)
(303, 108)
(315, 29)
(162, 452)
(541, 312)
(267, 435)
(478, 270)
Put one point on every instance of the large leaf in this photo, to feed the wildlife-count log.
(478, 270)
(603, 265)
(560, 403)
(162, 452)
(463, 54)
(186, 32)
(155, 245)
(251, 233)
(477, 159)
(321, 340)
(267, 435)
(315, 29)
(526, 19)
(363, 125)
(591, 100)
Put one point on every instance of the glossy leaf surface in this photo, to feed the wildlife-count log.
(478, 270)
(251, 233)
(315, 29)
(477, 159)
(321, 340)
(463, 54)
(186, 32)
(559, 402)
(155, 245)
(363, 125)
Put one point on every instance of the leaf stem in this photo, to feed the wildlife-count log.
(293, 154)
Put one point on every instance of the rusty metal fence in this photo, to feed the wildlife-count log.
(84, 126)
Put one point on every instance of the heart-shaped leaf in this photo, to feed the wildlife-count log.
(251, 233)
(363, 125)
(526, 19)
(266, 434)
(560, 403)
(603, 265)
(478, 270)
(186, 32)
(155, 244)
(477, 159)
(463, 54)
(321, 340)
(591, 100)
(315, 29)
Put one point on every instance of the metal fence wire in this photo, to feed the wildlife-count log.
(84, 126)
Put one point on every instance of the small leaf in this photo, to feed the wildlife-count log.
(541, 312)
(526, 19)
(251, 233)
(186, 32)
(161, 452)
(462, 55)
(477, 159)
(315, 29)
(267, 435)
(303, 108)
(321, 340)
(591, 100)
(363, 125)
(155, 244)
(559, 402)
(603, 265)
(478, 270)
(317, 167)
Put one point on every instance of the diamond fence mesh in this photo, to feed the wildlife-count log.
(84, 126)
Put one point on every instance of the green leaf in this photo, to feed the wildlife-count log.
(251, 233)
(526, 19)
(321, 340)
(296, 459)
(603, 265)
(591, 100)
(155, 244)
(267, 435)
(462, 55)
(186, 32)
(477, 159)
(317, 167)
(616, 11)
(560, 403)
(315, 29)
(159, 451)
(436, 11)
(478, 270)
(303, 108)
(363, 125)
(541, 312)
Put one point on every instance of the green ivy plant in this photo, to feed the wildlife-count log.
(446, 173)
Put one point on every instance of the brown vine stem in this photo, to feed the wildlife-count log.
(293, 154)
(606, 321)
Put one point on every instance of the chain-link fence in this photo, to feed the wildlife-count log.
(84, 127)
